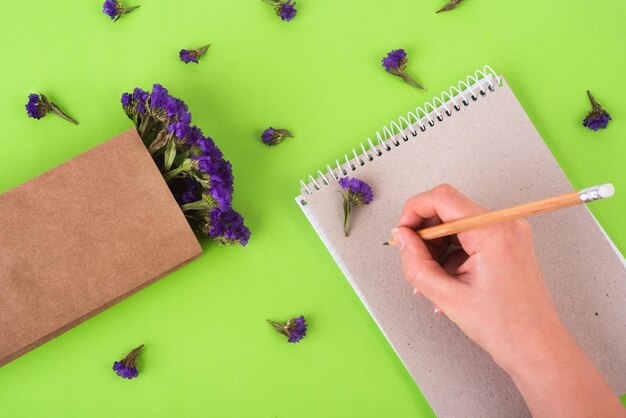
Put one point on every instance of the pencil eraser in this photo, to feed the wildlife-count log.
(606, 190)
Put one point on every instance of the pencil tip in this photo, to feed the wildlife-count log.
(385, 243)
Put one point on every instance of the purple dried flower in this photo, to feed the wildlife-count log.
(115, 10)
(181, 127)
(192, 55)
(39, 106)
(35, 107)
(127, 367)
(191, 191)
(451, 5)
(395, 62)
(273, 136)
(286, 10)
(355, 193)
(226, 226)
(294, 329)
(109, 8)
(127, 99)
(222, 196)
(209, 148)
(597, 118)
(192, 165)
(140, 97)
(358, 192)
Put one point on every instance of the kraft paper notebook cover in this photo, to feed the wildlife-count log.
(489, 149)
(83, 236)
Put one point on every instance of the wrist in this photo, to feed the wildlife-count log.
(546, 345)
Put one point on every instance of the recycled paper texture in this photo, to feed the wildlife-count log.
(83, 236)
(491, 152)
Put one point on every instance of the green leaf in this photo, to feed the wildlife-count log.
(170, 154)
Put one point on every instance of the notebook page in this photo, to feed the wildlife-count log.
(491, 152)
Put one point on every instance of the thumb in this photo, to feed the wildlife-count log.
(422, 271)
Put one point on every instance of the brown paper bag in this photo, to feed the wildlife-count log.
(83, 236)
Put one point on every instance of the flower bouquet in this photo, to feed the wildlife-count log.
(194, 168)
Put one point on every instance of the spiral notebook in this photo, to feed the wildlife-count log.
(477, 137)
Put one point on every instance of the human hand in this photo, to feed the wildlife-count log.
(488, 282)
(491, 287)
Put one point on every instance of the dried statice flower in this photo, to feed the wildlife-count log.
(226, 226)
(127, 367)
(115, 10)
(451, 5)
(192, 55)
(273, 136)
(39, 106)
(395, 62)
(286, 10)
(597, 118)
(190, 162)
(355, 193)
(294, 329)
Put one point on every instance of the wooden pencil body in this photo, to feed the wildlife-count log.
(498, 216)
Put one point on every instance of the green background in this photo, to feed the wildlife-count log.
(208, 350)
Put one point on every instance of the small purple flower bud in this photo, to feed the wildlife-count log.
(355, 193)
(597, 118)
(192, 55)
(127, 99)
(35, 107)
(127, 367)
(286, 10)
(294, 329)
(273, 136)
(115, 10)
(395, 62)
(226, 226)
(39, 106)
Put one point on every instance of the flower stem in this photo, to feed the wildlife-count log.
(136, 351)
(143, 125)
(167, 176)
(407, 78)
(55, 109)
(347, 208)
(203, 50)
(594, 105)
(127, 10)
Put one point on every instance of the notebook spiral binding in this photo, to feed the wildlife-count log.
(389, 131)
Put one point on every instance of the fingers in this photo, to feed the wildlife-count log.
(446, 203)
(422, 271)
(443, 201)
(453, 261)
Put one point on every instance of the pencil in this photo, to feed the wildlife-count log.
(587, 195)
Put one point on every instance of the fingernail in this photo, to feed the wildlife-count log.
(416, 292)
(397, 238)
(437, 310)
